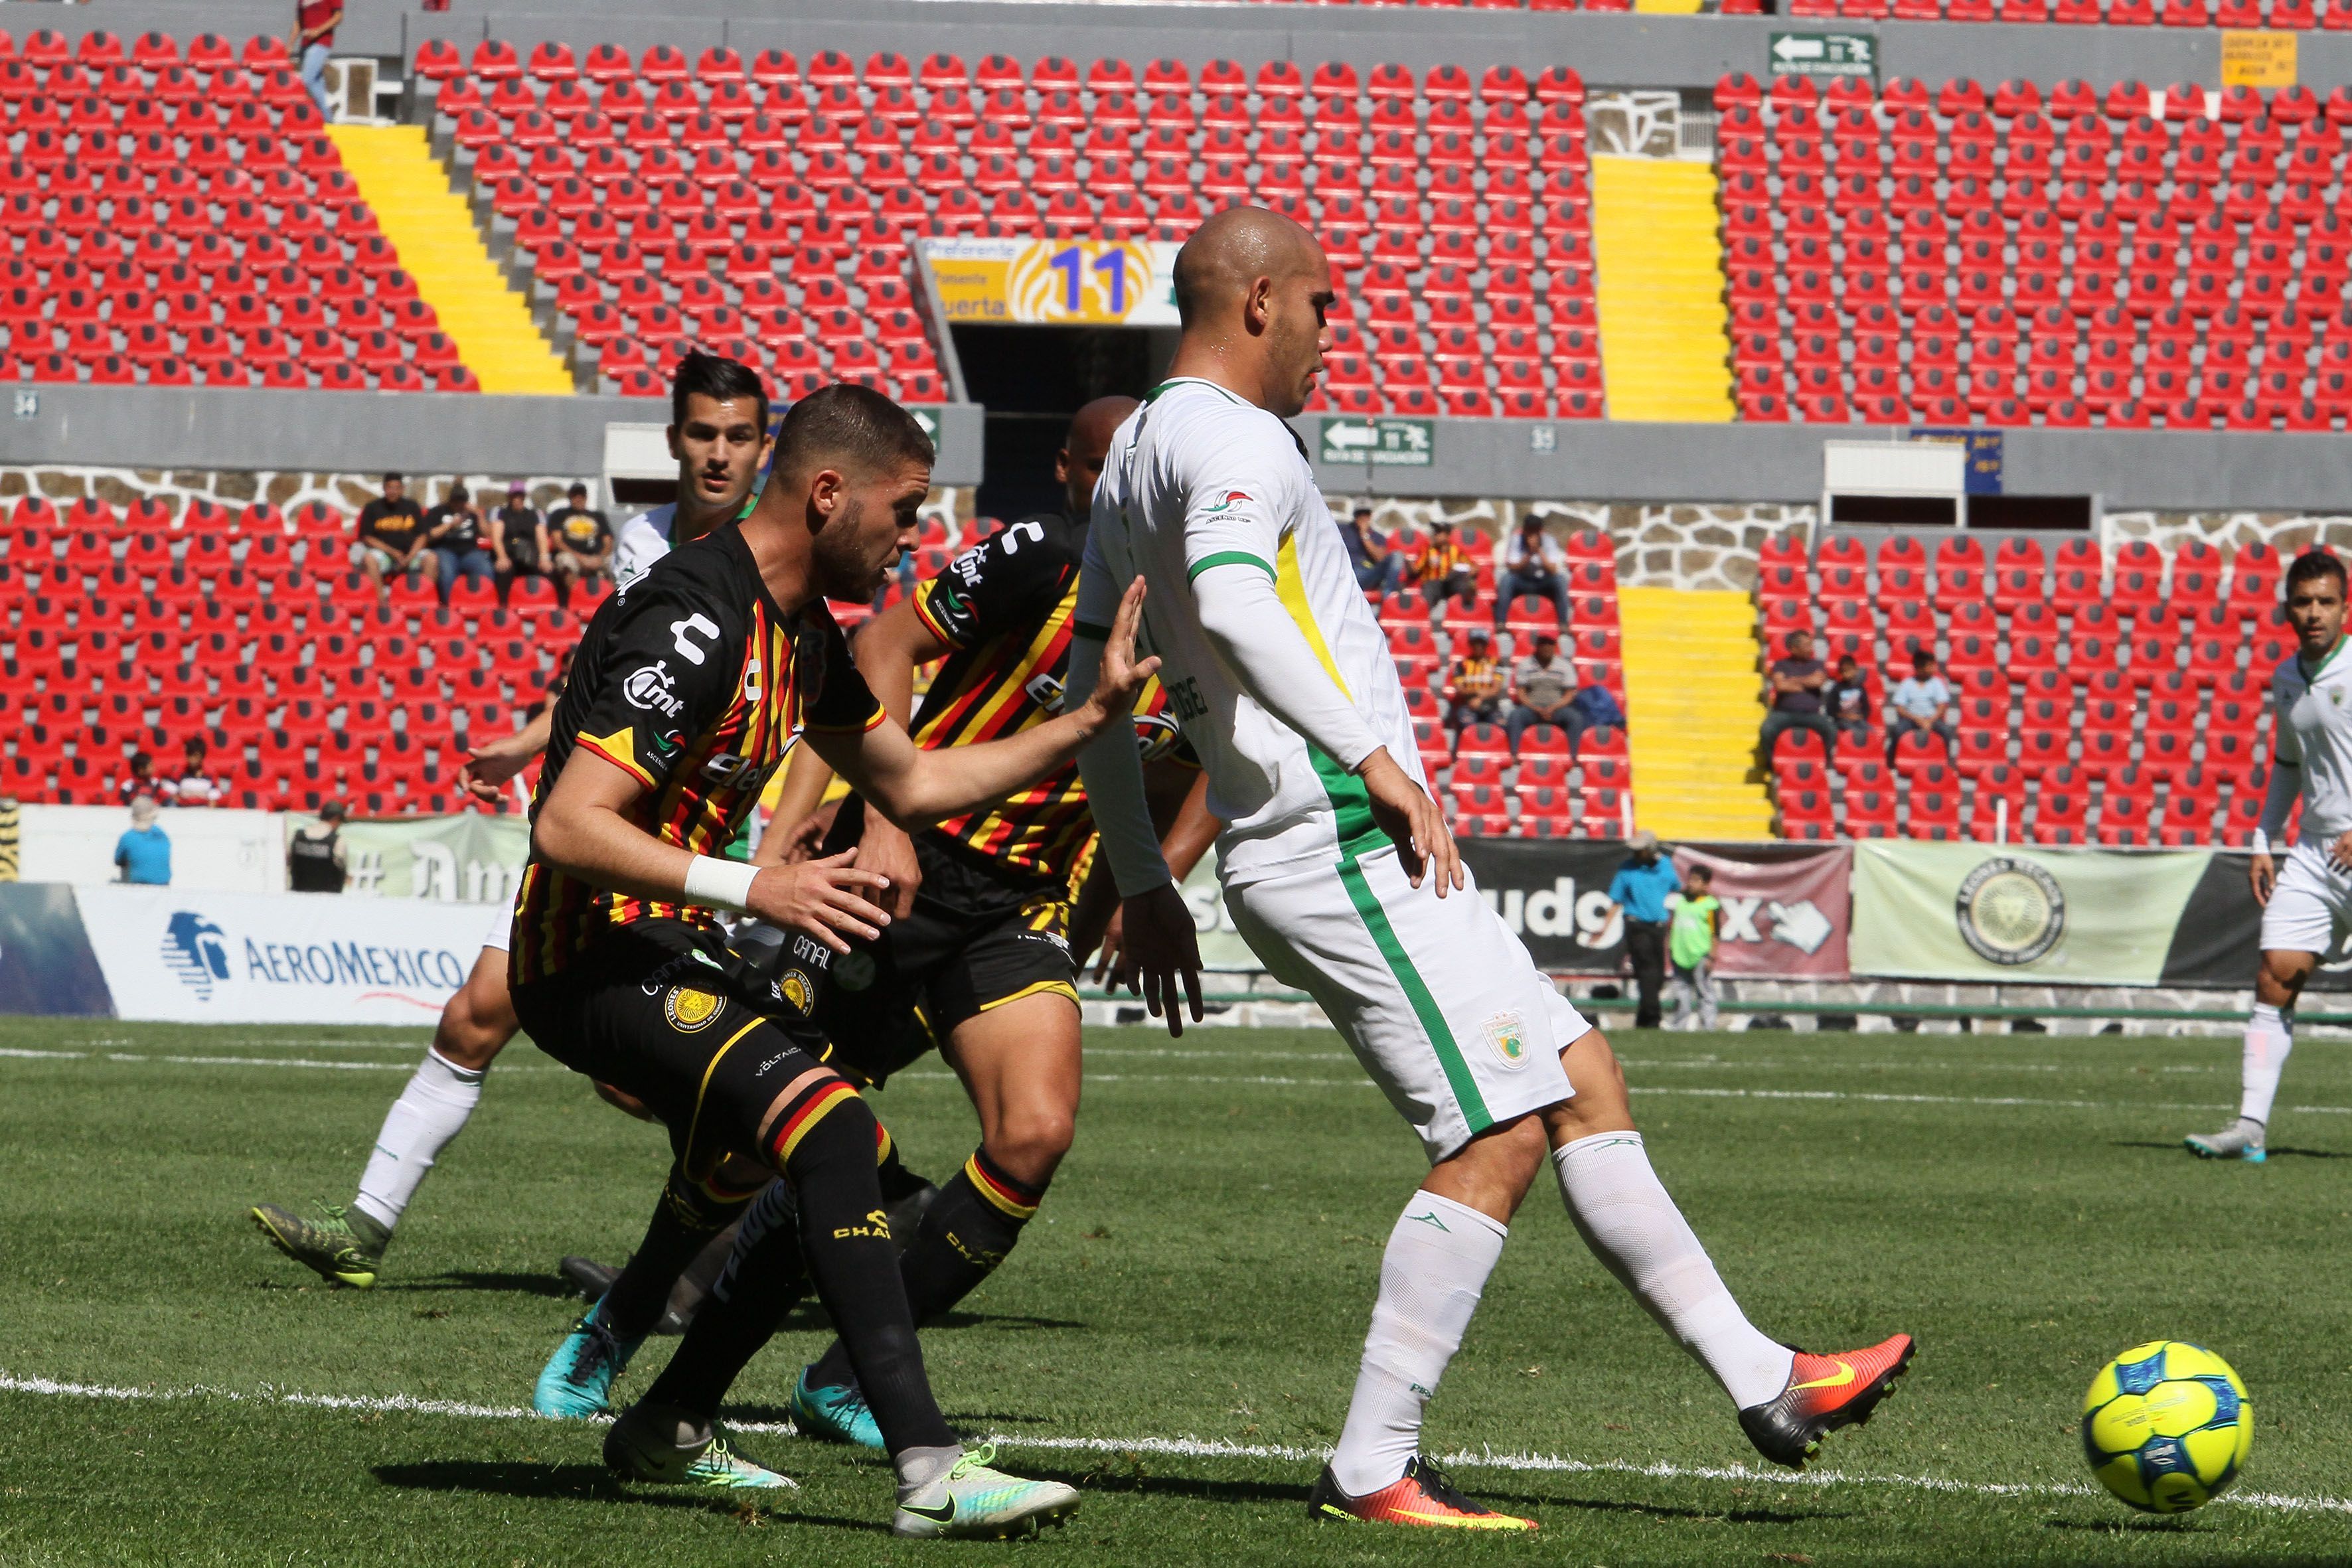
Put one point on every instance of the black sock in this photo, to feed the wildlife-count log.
(965, 1234)
(762, 1280)
(690, 1214)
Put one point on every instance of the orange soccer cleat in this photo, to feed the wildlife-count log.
(1424, 1496)
(1824, 1392)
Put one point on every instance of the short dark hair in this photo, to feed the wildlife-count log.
(1699, 868)
(2314, 562)
(1363, 510)
(141, 759)
(853, 425)
(395, 479)
(457, 491)
(579, 488)
(717, 378)
(193, 743)
(1790, 640)
(1920, 656)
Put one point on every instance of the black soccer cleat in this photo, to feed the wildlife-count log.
(1825, 1393)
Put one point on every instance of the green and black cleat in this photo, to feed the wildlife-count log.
(341, 1247)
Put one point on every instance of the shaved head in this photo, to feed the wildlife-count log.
(1080, 461)
(1252, 288)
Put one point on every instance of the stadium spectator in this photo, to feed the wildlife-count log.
(140, 780)
(1441, 569)
(1534, 566)
(1639, 891)
(194, 784)
(315, 860)
(1380, 568)
(1694, 922)
(453, 531)
(1796, 687)
(521, 539)
(580, 541)
(391, 534)
(314, 39)
(1847, 700)
(1543, 684)
(1922, 701)
(1474, 686)
(144, 854)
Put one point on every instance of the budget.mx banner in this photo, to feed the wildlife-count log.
(178, 957)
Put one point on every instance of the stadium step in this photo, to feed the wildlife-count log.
(433, 228)
(1691, 690)
(1665, 342)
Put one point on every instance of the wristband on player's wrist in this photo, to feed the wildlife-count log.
(726, 884)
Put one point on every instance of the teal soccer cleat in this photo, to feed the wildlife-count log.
(972, 1503)
(662, 1443)
(838, 1415)
(577, 1382)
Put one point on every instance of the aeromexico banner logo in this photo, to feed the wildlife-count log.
(192, 957)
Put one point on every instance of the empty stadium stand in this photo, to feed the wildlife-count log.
(2114, 701)
(2058, 255)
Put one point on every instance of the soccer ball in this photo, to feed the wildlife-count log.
(2167, 1426)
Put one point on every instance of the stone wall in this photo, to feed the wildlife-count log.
(2288, 532)
(1710, 546)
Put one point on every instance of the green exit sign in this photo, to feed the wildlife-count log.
(928, 419)
(1823, 54)
(1383, 443)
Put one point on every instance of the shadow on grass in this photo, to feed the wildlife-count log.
(810, 1315)
(2276, 1152)
(547, 1286)
(591, 1483)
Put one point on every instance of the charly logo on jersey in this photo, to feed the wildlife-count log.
(653, 687)
(1507, 1036)
(2010, 912)
(689, 1009)
(196, 951)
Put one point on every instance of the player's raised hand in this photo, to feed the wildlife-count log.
(800, 842)
(1406, 813)
(885, 848)
(1123, 674)
(487, 768)
(2262, 874)
(824, 900)
(1159, 946)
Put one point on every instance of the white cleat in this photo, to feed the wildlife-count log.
(2241, 1139)
(974, 1502)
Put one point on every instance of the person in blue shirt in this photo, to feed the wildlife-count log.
(144, 853)
(1639, 891)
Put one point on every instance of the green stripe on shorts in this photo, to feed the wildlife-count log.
(1425, 1006)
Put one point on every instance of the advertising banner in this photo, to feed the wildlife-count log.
(184, 957)
(1065, 283)
(1553, 894)
(1785, 909)
(47, 968)
(2007, 913)
(467, 857)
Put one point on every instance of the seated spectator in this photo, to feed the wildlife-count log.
(1796, 685)
(1543, 684)
(454, 530)
(1847, 700)
(1441, 569)
(1922, 701)
(194, 784)
(1378, 568)
(581, 541)
(1534, 566)
(1473, 686)
(144, 854)
(140, 780)
(391, 534)
(520, 537)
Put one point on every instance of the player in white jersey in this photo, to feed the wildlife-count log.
(1341, 876)
(718, 433)
(2307, 904)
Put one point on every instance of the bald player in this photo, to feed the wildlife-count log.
(1341, 876)
(979, 958)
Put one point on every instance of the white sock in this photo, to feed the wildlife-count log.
(430, 1111)
(1432, 1275)
(2270, 1038)
(1633, 1227)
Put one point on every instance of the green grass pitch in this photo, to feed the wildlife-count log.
(1202, 1272)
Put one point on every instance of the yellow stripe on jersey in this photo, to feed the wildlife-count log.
(1291, 589)
(620, 748)
(1011, 691)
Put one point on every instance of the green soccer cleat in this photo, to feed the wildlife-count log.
(343, 1248)
(664, 1445)
(577, 1381)
(972, 1503)
(834, 1414)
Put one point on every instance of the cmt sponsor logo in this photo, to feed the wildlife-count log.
(652, 688)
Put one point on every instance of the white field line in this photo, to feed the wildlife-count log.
(1186, 1448)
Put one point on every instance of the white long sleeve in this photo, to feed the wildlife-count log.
(1254, 634)
(2278, 804)
(1113, 773)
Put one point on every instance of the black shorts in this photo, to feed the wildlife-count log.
(728, 1063)
(978, 937)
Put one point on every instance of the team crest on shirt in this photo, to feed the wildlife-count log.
(795, 987)
(1233, 499)
(690, 1010)
(1507, 1036)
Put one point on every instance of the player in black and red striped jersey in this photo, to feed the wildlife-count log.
(684, 698)
(981, 955)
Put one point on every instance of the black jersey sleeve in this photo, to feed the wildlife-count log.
(839, 701)
(665, 668)
(1014, 578)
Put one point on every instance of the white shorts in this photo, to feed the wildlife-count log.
(2310, 908)
(1436, 997)
(501, 923)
